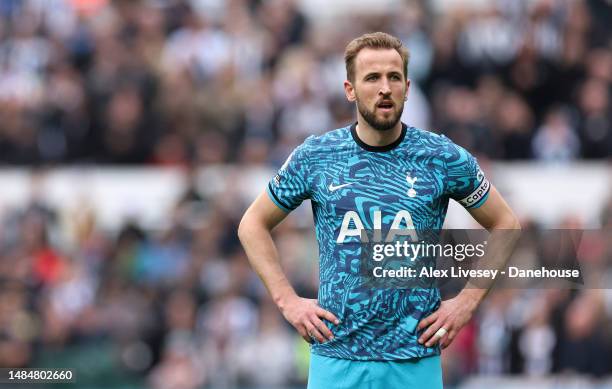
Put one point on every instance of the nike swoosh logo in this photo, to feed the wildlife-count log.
(333, 188)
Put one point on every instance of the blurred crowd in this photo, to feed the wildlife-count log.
(191, 83)
(180, 307)
(195, 82)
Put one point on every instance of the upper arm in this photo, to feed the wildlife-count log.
(291, 185)
(468, 185)
(263, 211)
(465, 181)
(285, 192)
(495, 213)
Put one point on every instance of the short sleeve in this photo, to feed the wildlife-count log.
(466, 183)
(289, 187)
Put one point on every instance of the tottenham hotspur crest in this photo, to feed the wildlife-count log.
(411, 181)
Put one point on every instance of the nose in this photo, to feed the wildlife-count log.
(385, 89)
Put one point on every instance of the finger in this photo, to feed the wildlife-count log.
(428, 321)
(314, 333)
(322, 328)
(448, 339)
(304, 333)
(444, 341)
(327, 315)
(430, 331)
(439, 334)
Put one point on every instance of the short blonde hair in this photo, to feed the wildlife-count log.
(375, 40)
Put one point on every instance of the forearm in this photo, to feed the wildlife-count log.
(501, 243)
(264, 259)
(254, 232)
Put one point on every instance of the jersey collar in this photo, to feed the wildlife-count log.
(388, 147)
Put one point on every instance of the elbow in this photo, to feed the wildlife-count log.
(517, 225)
(509, 222)
(514, 222)
(242, 229)
(248, 227)
(513, 228)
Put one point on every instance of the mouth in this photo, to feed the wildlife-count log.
(385, 106)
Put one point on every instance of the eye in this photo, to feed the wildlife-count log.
(396, 77)
(372, 77)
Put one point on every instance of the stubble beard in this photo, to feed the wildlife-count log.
(379, 124)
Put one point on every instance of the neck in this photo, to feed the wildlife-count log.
(376, 138)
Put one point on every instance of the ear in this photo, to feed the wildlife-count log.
(349, 91)
(407, 89)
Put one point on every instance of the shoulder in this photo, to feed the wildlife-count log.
(317, 148)
(326, 142)
(437, 144)
(330, 138)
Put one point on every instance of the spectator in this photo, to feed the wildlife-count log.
(556, 140)
(200, 83)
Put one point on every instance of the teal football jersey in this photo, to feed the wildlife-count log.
(354, 186)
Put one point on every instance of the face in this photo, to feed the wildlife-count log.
(379, 87)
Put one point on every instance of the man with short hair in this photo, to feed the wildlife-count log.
(377, 173)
